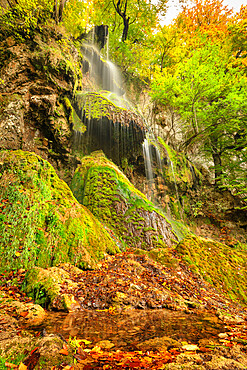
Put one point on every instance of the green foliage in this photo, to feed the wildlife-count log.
(76, 16)
(210, 96)
(24, 17)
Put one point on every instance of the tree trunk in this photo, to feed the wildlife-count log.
(217, 168)
(126, 28)
(61, 7)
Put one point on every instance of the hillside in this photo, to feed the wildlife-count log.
(109, 214)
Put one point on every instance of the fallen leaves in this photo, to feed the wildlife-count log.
(64, 351)
(100, 359)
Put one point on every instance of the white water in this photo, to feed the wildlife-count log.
(121, 137)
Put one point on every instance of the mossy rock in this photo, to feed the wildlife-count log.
(16, 348)
(96, 105)
(106, 191)
(41, 223)
(219, 264)
(43, 285)
(178, 169)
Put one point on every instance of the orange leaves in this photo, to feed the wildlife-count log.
(9, 365)
(22, 367)
(64, 351)
(126, 360)
(24, 314)
(206, 18)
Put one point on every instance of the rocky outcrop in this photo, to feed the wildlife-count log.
(108, 123)
(42, 224)
(35, 115)
(105, 190)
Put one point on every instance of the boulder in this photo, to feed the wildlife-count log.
(105, 190)
(42, 224)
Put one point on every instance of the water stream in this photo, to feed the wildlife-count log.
(130, 328)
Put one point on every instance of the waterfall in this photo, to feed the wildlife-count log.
(110, 123)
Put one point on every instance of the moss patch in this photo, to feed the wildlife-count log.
(41, 223)
(105, 104)
(219, 264)
(104, 189)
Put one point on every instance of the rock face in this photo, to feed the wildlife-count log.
(103, 188)
(35, 115)
(41, 222)
(108, 123)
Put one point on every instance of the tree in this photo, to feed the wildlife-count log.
(237, 29)
(77, 16)
(206, 17)
(211, 98)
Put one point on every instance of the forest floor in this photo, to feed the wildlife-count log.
(126, 291)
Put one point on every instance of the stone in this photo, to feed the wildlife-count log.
(101, 186)
(158, 344)
(105, 344)
(190, 347)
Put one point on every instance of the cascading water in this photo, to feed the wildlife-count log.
(111, 124)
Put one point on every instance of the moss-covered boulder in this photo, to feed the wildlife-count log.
(41, 223)
(44, 286)
(106, 191)
(219, 264)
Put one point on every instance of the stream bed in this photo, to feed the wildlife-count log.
(125, 330)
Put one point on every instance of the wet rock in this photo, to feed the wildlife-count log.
(104, 189)
(29, 313)
(158, 344)
(49, 348)
(214, 262)
(33, 114)
(65, 302)
(105, 344)
(50, 226)
(45, 284)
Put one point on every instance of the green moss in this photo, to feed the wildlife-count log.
(106, 191)
(219, 264)
(181, 169)
(104, 104)
(161, 255)
(41, 223)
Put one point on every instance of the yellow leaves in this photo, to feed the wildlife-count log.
(17, 254)
(9, 365)
(85, 341)
(22, 367)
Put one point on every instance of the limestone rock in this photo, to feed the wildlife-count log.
(42, 223)
(45, 284)
(158, 344)
(219, 265)
(104, 189)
